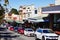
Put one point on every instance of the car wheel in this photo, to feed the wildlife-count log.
(36, 38)
(43, 38)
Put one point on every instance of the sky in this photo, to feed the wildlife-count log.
(37, 3)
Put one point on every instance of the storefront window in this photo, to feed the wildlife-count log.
(56, 22)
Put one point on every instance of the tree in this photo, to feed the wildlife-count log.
(14, 11)
(2, 12)
(6, 2)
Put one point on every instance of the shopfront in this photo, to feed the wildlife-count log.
(54, 12)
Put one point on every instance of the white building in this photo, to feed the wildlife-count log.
(12, 17)
(57, 2)
(40, 13)
(28, 11)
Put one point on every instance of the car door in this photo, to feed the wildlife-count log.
(39, 33)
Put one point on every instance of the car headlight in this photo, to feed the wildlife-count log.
(47, 36)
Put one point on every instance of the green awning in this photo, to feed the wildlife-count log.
(19, 22)
(9, 20)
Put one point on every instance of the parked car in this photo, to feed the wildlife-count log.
(45, 34)
(20, 30)
(28, 32)
(3, 29)
(15, 28)
(11, 28)
(57, 32)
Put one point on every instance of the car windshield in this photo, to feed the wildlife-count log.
(47, 31)
(29, 29)
(40, 31)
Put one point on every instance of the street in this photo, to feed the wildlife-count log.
(22, 37)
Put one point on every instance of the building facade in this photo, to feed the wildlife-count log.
(11, 17)
(57, 2)
(28, 11)
(40, 13)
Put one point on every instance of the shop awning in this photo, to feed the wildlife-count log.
(19, 22)
(37, 20)
(51, 9)
(9, 20)
(40, 20)
(46, 20)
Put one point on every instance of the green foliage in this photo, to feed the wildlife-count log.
(2, 12)
(5, 4)
(6, 1)
(14, 11)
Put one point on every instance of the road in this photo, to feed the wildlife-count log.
(22, 37)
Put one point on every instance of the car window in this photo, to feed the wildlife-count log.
(29, 30)
(47, 31)
(39, 31)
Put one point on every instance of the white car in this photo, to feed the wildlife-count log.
(45, 34)
(29, 32)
